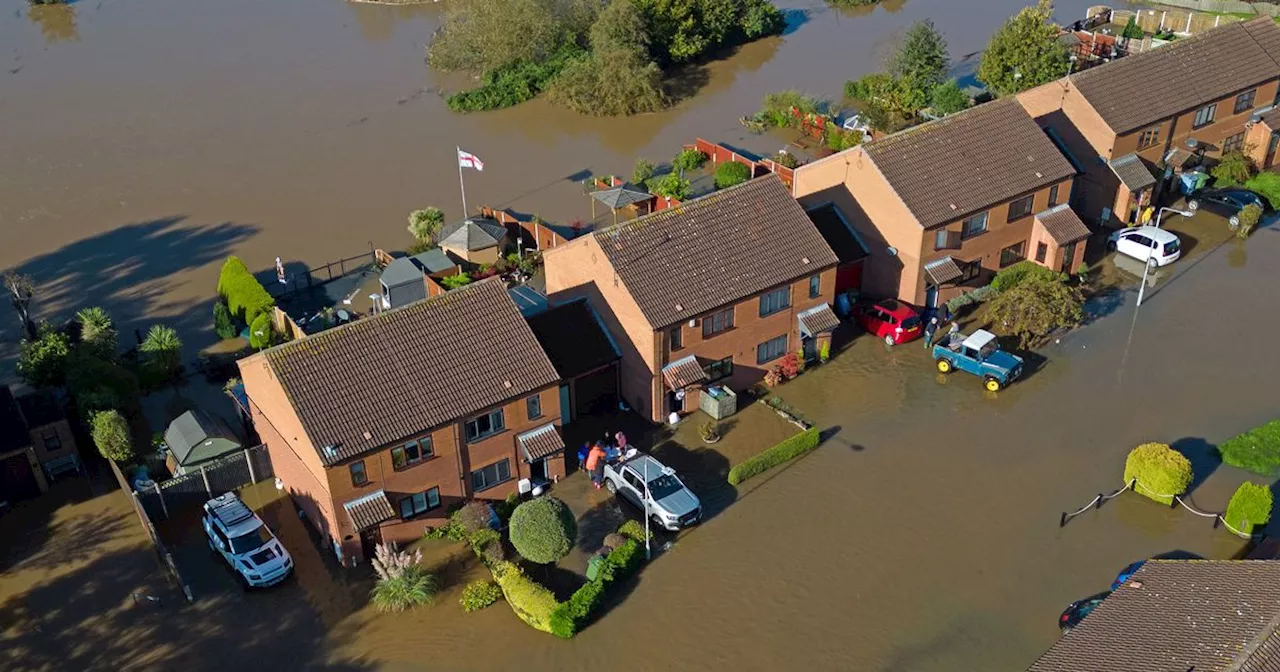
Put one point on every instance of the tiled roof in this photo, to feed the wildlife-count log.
(1137, 90)
(969, 161)
(818, 319)
(683, 372)
(1132, 172)
(712, 251)
(837, 233)
(573, 339)
(369, 510)
(541, 442)
(1270, 117)
(377, 380)
(1063, 224)
(944, 270)
(1202, 615)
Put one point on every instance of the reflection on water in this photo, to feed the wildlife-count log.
(378, 22)
(57, 22)
(888, 6)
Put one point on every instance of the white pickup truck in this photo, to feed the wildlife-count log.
(671, 505)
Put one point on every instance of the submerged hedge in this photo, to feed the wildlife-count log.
(513, 83)
(1257, 450)
(531, 601)
(1161, 471)
(1249, 508)
(789, 449)
(245, 296)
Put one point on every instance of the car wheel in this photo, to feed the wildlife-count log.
(944, 365)
(1193, 205)
(1152, 263)
(608, 485)
(888, 340)
(1234, 222)
(992, 384)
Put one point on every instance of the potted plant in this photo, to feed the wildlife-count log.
(709, 431)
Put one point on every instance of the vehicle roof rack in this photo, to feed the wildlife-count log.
(229, 509)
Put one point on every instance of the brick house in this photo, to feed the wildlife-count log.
(946, 204)
(377, 426)
(1126, 122)
(715, 290)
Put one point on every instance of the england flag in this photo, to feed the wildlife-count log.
(469, 160)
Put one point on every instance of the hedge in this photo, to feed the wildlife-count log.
(1015, 274)
(1249, 508)
(731, 173)
(543, 530)
(245, 296)
(571, 617)
(1159, 470)
(790, 448)
(531, 601)
(1257, 450)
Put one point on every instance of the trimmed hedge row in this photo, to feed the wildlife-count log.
(245, 296)
(788, 449)
(531, 601)
(1257, 450)
(570, 617)
(1249, 508)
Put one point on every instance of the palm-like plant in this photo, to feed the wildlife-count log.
(402, 582)
(425, 223)
(163, 349)
(97, 331)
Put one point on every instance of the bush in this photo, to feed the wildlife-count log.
(223, 324)
(970, 298)
(543, 530)
(1257, 450)
(472, 517)
(1160, 471)
(731, 173)
(514, 83)
(455, 281)
(788, 449)
(671, 185)
(633, 529)
(110, 433)
(483, 539)
(1249, 508)
(506, 507)
(1010, 277)
(1268, 185)
(614, 540)
(625, 559)
(1249, 217)
(245, 296)
(493, 554)
(1037, 306)
(709, 431)
(424, 224)
(643, 172)
(786, 159)
(260, 332)
(689, 159)
(1233, 169)
(402, 582)
(479, 594)
(532, 602)
(43, 362)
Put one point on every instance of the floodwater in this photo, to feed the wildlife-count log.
(144, 141)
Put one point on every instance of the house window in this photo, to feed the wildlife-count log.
(533, 404)
(1204, 115)
(1149, 137)
(940, 239)
(486, 425)
(970, 270)
(419, 503)
(1244, 101)
(52, 441)
(1013, 254)
(1042, 252)
(487, 477)
(719, 369)
(411, 453)
(677, 337)
(772, 302)
(717, 322)
(358, 476)
(1053, 195)
(815, 286)
(973, 226)
(1020, 208)
(1233, 143)
(771, 349)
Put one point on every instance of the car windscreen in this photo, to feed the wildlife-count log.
(911, 322)
(1171, 247)
(664, 486)
(249, 541)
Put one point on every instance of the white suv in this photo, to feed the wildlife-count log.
(654, 487)
(237, 534)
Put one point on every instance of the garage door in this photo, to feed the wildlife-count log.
(596, 392)
(16, 480)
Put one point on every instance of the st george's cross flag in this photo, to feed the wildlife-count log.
(469, 160)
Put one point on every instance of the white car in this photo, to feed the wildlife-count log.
(640, 477)
(1154, 246)
(237, 534)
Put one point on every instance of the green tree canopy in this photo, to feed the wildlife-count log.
(482, 35)
(425, 224)
(920, 65)
(1132, 30)
(1233, 169)
(260, 332)
(617, 78)
(163, 349)
(949, 98)
(730, 173)
(97, 331)
(111, 435)
(1036, 306)
(1025, 52)
(43, 362)
(543, 530)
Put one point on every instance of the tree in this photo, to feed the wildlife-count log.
(672, 185)
(543, 530)
(643, 171)
(21, 289)
(223, 324)
(99, 384)
(1233, 169)
(1250, 507)
(618, 78)
(920, 65)
(42, 361)
(482, 35)
(1161, 472)
(1132, 31)
(260, 332)
(111, 435)
(1036, 306)
(730, 173)
(163, 349)
(1025, 52)
(97, 331)
(425, 224)
(949, 98)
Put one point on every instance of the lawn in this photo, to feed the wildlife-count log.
(1257, 450)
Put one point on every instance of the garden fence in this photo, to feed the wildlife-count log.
(225, 474)
(1098, 499)
(166, 558)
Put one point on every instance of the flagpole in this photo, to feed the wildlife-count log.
(461, 184)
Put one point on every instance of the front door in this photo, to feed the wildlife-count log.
(538, 471)
(810, 345)
(369, 540)
(931, 296)
(1271, 150)
(1068, 254)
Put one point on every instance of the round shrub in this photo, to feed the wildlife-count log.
(478, 595)
(493, 554)
(731, 173)
(1249, 508)
(1160, 470)
(543, 530)
(472, 517)
(614, 540)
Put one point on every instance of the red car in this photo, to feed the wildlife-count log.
(892, 321)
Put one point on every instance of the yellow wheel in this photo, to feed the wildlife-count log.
(944, 366)
(992, 385)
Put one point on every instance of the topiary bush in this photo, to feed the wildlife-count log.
(1161, 471)
(1249, 508)
(531, 602)
(260, 331)
(479, 594)
(543, 530)
(731, 173)
(245, 296)
(223, 324)
(788, 449)
(1257, 450)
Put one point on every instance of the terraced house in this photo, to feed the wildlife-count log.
(943, 206)
(1128, 122)
(710, 293)
(377, 426)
